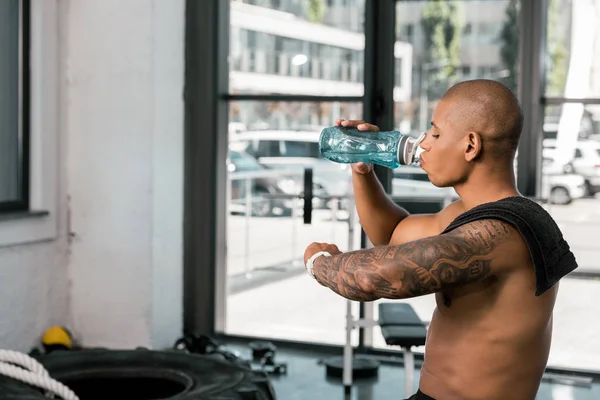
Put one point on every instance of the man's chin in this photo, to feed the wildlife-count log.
(440, 184)
(436, 183)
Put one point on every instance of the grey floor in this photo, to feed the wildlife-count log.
(306, 379)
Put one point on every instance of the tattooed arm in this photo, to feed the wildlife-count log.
(466, 255)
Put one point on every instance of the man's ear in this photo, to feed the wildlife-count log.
(473, 146)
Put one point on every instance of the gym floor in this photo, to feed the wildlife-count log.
(306, 379)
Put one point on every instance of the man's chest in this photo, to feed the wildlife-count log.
(465, 297)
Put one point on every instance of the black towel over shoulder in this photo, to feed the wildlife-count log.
(550, 253)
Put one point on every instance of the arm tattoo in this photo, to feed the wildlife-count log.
(424, 266)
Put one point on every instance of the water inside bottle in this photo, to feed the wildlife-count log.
(349, 146)
(387, 157)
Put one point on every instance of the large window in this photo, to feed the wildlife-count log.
(291, 74)
(295, 67)
(571, 169)
(13, 106)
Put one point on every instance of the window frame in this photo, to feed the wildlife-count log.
(40, 221)
(23, 132)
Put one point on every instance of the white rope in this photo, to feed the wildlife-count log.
(32, 372)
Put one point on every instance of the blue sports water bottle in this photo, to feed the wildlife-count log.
(350, 145)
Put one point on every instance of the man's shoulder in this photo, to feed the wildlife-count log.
(549, 253)
(449, 214)
(517, 210)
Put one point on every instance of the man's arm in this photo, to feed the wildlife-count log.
(378, 214)
(466, 255)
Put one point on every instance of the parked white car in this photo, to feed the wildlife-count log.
(585, 161)
(295, 151)
(559, 186)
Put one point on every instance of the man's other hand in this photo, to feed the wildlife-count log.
(314, 248)
(360, 168)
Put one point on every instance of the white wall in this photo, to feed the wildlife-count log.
(124, 93)
(107, 165)
(34, 292)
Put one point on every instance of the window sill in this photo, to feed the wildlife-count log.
(18, 228)
(16, 215)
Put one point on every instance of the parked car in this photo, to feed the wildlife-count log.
(585, 161)
(295, 151)
(242, 167)
(560, 185)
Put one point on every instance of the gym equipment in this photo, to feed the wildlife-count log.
(308, 196)
(401, 326)
(361, 367)
(199, 344)
(394, 317)
(263, 353)
(263, 357)
(23, 368)
(57, 338)
(101, 374)
(349, 367)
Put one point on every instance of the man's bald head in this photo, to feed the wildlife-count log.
(490, 109)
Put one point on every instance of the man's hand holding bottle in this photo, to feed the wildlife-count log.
(360, 168)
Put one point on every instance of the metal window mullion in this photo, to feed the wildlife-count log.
(380, 38)
(206, 38)
(221, 206)
(532, 26)
(24, 114)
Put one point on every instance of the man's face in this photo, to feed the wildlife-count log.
(443, 156)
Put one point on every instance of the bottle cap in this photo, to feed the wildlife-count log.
(407, 149)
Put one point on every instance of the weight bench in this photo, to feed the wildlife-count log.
(401, 326)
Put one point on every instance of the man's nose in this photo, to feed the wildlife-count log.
(425, 144)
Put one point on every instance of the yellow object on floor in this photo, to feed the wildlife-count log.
(57, 336)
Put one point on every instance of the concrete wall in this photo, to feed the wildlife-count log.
(107, 164)
(34, 292)
(125, 127)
